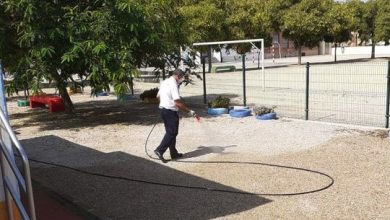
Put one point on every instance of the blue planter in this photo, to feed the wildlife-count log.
(217, 111)
(103, 94)
(125, 97)
(239, 113)
(267, 116)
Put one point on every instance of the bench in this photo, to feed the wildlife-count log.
(55, 103)
(216, 69)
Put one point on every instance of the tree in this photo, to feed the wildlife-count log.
(274, 11)
(246, 19)
(339, 24)
(212, 20)
(382, 22)
(304, 23)
(366, 13)
(101, 41)
(204, 21)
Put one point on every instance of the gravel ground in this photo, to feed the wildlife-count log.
(345, 171)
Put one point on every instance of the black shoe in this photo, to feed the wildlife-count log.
(176, 156)
(160, 156)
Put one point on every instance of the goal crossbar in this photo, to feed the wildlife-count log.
(227, 42)
(251, 41)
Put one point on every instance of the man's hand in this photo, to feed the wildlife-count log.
(192, 113)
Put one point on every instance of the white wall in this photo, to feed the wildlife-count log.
(379, 50)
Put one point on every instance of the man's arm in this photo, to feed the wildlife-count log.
(181, 105)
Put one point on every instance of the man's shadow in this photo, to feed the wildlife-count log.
(203, 150)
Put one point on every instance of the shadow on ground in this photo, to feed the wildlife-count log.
(103, 112)
(203, 150)
(90, 114)
(123, 199)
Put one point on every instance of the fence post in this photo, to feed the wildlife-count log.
(307, 91)
(388, 94)
(243, 79)
(204, 79)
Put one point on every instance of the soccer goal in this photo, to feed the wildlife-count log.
(251, 41)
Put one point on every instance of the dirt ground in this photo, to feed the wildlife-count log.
(289, 169)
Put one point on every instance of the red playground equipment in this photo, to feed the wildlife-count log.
(55, 103)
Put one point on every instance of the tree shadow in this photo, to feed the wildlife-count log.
(121, 198)
(92, 113)
(103, 112)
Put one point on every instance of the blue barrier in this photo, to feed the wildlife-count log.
(217, 111)
(267, 116)
(239, 113)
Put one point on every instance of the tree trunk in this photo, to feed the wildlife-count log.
(69, 108)
(61, 86)
(373, 50)
(335, 52)
(132, 85)
(299, 54)
(209, 59)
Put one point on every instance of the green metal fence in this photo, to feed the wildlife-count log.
(349, 92)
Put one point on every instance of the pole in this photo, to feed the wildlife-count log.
(273, 53)
(132, 85)
(181, 59)
(204, 79)
(262, 64)
(243, 79)
(209, 59)
(307, 92)
(5, 197)
(388, 94)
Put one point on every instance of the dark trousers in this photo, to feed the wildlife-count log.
(171, 123)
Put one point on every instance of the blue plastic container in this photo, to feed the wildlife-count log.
(240, 113)
(267, 116)
(217, 111)
(125, 97)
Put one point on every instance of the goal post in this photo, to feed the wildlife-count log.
(251, 41)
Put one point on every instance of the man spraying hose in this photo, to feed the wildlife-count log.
(170, 103)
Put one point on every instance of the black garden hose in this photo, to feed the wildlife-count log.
(201, 187)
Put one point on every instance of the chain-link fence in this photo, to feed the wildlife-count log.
(351, 93)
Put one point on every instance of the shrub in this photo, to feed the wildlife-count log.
(151, 93)
(260, 110)
(219, 102)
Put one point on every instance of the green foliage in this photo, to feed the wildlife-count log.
(151, 93)
(364, 13)
(219, 102)
(10, 88)
(103, 42)
(339, 23)
(246, 19)
(260, 110)
(304, 23)
(203, 21)
(382, 21)
(274, 10)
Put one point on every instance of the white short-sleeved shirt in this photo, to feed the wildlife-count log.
(168, 93)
